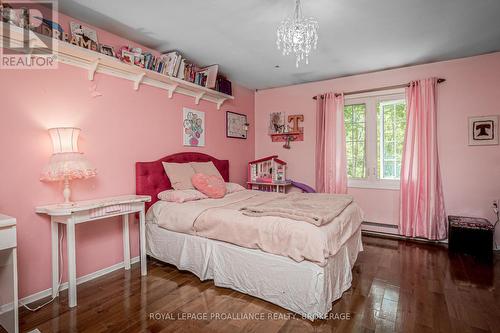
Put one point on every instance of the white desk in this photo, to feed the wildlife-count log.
(87, 211)
(8, 261)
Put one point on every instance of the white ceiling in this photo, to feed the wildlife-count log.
(355, 36)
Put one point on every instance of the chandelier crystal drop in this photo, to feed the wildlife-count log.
(298, 35)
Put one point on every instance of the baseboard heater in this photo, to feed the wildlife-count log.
(382, 228)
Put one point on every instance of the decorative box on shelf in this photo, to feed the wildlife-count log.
(12, 36)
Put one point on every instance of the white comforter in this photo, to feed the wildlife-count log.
(221, 219)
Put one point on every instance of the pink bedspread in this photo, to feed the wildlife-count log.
(221, 219)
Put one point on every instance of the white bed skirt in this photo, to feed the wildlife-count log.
(304, 288)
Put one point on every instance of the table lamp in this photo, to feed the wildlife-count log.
(66, 162)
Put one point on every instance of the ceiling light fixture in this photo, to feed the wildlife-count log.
(298, 35)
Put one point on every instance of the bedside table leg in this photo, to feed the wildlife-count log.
(126, 242)
(70, 231)
(142, 242)
(55, 258)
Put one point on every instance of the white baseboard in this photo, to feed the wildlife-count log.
(82, 279)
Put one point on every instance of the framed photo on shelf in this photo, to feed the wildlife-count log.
(236, 125)
(107, 50)
(83, 32)
(277, 122)
(128, 57)
(483, 131)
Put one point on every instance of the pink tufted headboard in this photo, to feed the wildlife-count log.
(150, 177)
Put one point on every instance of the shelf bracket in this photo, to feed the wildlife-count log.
(92, 69)
(172, 90)
(138, 80)
(198, 97)
(220, 102)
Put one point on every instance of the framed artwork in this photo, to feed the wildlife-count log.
(193, 128)
(107, 50)
(236, 125)
(483, 130)
(276, 122)
(83, 32)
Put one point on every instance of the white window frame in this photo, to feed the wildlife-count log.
(372, 181)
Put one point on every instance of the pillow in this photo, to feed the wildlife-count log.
(181, 196)
(210, 185)
(180, 175)
(206, 168)
(233, 187)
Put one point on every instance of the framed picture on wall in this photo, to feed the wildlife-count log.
(236, 125)
(277, 122)
(483, 131)
(193, 128)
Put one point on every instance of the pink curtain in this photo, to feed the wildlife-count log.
(422, 206)
(331, 161)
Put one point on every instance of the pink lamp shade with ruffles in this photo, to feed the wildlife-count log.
(66, 162)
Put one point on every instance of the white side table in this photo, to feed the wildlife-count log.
(87, 211)
(9, 316)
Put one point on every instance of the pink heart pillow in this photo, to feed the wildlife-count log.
(212, 186)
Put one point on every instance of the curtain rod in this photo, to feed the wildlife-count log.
(379, 89)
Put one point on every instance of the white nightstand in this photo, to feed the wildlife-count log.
(86, 211)
(8, 273)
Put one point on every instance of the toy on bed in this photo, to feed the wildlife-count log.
(303, 187)
(268, 174)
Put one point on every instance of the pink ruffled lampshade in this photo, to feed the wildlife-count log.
(66, 162)
(67, 166)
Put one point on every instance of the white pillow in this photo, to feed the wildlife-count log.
(206, 168)
(181, 196)
(233, 187)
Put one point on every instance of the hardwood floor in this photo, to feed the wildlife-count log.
(397, 286)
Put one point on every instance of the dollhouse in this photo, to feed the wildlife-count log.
(268, 174)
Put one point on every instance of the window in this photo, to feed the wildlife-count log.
(375, 129)
(354, 119)
(391, 122)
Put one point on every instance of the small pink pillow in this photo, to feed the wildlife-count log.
(212, 186)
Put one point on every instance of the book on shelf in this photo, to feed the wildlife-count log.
(182, 68)
(223, 85)
(207, 76)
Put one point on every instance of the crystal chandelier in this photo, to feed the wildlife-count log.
(297, 34)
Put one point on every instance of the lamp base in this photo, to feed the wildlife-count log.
(67, 192)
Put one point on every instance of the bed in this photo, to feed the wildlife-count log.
(299, 276)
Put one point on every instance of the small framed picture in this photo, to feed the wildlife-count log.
(277, 122)
(83, 32)
(107, 50)
(236, 125)
(128, 57)
(483, 130)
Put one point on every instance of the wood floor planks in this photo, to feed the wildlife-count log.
(398, 286)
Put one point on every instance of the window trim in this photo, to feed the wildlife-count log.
(371, 99)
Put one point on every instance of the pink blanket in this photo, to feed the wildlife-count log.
(221, 219)
(314, 208)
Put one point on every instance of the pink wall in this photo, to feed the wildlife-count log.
(471, 175)
(119, 128)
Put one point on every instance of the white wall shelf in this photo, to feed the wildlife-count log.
(95, 62)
